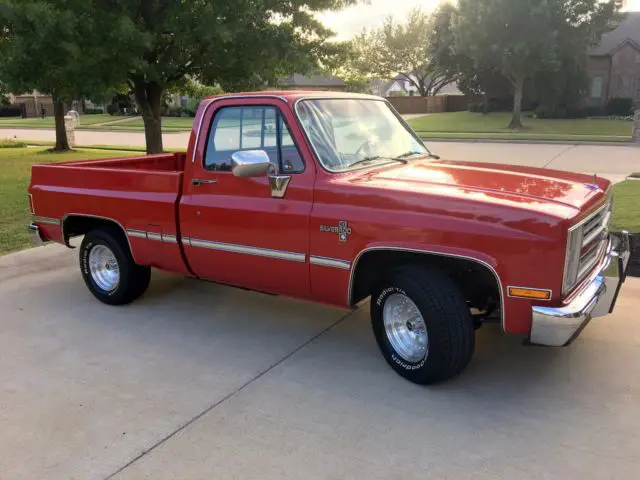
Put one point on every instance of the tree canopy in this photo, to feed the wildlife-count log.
(237, 44)
(72, 48)
(47, 46)
(522, 38)
(416, 50)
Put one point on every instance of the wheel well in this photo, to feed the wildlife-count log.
(477, 282)
(76, 225)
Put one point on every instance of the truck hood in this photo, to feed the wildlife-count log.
(562, 194)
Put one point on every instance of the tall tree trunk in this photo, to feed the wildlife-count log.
(516, 120)
(149, 99)
(62, 143)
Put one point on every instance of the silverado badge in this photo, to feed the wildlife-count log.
(342, 230)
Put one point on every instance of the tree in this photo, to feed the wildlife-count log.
(524, 37)
(482, 81)
(413, 50)
(47, 46)
(237, 44)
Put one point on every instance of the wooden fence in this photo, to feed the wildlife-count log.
(437, 104)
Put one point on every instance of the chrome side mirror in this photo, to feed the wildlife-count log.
(250, 163)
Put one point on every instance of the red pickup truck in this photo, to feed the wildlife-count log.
(334, 199)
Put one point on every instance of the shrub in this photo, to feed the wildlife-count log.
(113, 109)
(192, 107)
(174, 111)
(505, 104)
(620, 106)
(473, 107)
(93, 111)
(544, 111)
(593, 111)
(576, 112)
(11, 111)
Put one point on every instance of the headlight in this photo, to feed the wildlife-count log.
(572, 260)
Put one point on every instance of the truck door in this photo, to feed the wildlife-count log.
(249, 232)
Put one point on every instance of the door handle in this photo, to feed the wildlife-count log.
(196, 182)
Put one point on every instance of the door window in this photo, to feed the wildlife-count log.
(251, 128)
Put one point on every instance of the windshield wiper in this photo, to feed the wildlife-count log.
(375, 158)
(422, 154)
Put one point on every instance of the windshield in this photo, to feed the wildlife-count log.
(346, 132)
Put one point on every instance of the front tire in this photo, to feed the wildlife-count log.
(422, 324)
(108, 268)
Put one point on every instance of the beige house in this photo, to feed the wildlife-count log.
(33, 102)
(614, 65)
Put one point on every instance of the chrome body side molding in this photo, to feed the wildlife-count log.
(86, 215)
(330, 262)
(157, 237)
(245, 249)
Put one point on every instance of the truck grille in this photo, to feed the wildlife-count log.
(594, 239)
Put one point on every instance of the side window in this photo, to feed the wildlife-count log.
(224, 139)
(251, 128)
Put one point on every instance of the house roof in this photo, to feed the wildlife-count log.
(627, 31)
(311, 81)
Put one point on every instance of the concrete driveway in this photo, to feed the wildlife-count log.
(199, 381)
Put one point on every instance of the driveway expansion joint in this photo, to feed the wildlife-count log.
(228, 396)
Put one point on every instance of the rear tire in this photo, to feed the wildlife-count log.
(108, 268)
(422, 324)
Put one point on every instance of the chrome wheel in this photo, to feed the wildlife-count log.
(405, 328)
(104, 268)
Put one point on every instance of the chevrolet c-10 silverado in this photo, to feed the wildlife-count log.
(333, 198)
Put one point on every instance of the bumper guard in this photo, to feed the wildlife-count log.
(36, 235)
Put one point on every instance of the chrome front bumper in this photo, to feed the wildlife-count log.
(36, 236)
(557, 327)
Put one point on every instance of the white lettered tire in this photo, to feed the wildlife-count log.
(108, 268)
(422, 324)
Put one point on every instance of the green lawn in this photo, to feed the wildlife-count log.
(168, 124)
(15, 174)
(48, 122)
(494, 126)
(626, 206)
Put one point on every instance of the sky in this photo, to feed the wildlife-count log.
(350, 21)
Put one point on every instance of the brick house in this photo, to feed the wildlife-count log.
(313, 82)
(613, 66)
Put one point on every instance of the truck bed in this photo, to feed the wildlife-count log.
(138, 193)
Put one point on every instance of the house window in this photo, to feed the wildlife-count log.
(596, 87)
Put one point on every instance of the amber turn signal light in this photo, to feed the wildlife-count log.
(532, 293)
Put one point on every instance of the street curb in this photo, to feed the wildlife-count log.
(531, 142)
